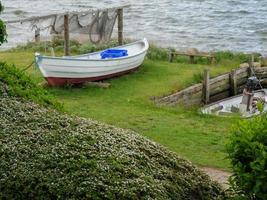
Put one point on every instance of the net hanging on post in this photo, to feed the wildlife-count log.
(97, 24)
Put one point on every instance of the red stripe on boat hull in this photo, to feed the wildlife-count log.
(59, 81)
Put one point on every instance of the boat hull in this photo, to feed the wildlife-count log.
(59, 71)
(58, 81)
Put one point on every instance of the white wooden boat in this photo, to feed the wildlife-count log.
(231, 106)
(59, 71)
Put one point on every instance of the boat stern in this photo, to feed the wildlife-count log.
(38, 59)
(146, 44)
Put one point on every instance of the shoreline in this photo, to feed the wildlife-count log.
(83, 39)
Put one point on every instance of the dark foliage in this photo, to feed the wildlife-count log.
(3, 34)
(248, 154)
(14, 82)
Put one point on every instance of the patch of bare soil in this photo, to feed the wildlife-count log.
(217, 175)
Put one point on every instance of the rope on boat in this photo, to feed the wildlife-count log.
(28, 66)
(253, 72)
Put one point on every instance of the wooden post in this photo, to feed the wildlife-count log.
(191, 59)
(251, 61)
(37, 35)
(66, 36)
(52, 51)
(120, 25)
(206, 86)
(171, 56)
(233, 82)
(212, 59)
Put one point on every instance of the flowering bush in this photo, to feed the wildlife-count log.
(47, 155)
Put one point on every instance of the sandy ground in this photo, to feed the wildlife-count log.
(217, 175)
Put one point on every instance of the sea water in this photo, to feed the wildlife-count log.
(208, 25)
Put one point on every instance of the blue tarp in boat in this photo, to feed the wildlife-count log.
(114, 53)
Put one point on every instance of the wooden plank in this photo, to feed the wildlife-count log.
(220, 96)
(192, 96)
(206, 86)
(66, 36)
(189, 99)
(241, 70)
(222, 80)
(224, 77)
(193, 102)
(176, 97)
(120, 26)
(242, 75)
(242, 81)
(219, 83)
(260, 70)
(219, 89)
(193, 89)
(194, 54)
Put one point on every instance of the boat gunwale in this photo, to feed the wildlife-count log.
(229, 98)
(74, 58)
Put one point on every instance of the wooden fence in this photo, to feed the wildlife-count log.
(211, 90)
(66, 25)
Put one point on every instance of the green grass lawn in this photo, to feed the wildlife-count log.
(127, 104)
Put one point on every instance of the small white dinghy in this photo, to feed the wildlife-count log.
(231, 106)
(59, 71)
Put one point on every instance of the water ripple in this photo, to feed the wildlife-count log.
(237, 25)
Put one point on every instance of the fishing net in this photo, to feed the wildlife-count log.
(97, 24)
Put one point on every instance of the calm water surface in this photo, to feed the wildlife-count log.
(238, 25)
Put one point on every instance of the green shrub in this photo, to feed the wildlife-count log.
(157, 53)
(48, 155)
(89, 47)
(247, 151)
(41, 46)
(14, 82)
(240, 57)
(198, 77)
(221, 55)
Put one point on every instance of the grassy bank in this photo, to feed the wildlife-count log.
(46, 154)
(127, 104)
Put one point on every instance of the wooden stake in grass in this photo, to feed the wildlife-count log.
(37, 35)
(66, 36)
(206, 86)
(233, 82)
(120, 25)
